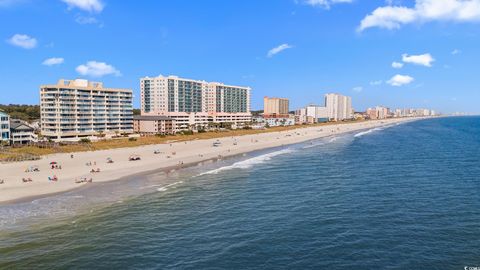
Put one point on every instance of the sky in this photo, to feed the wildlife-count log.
(395, 53)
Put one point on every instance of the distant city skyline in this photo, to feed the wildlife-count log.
(297, 49)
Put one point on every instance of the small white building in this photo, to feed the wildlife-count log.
(312, 114)
(274, 122)
(21, 132)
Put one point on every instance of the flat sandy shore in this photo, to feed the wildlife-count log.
(172, 155)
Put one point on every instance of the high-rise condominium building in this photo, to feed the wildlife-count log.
(378, 112)
(275, 107)
(339, 107)
(4, 128)
(194, 103)
(72, 109)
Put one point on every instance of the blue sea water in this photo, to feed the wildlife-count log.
(402, 197)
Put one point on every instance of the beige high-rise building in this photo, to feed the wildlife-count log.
(339, 107)
(275, 107)
(379, 112)
(72, 109)
(194, 103)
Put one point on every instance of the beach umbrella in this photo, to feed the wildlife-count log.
(53, 162)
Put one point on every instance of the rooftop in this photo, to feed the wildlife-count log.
(173, 77)
(83, 84)
(15, 123)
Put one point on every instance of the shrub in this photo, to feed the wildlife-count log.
(187, 132)
(132, 139)
(85, 140)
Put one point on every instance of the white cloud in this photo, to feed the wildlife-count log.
(399, 80)
(53, 61)
(23, 41)
(456, 51)
(357, 89)
(97, 69)
(278, 49)
(393, 17)
(86, 20)
(326, 3)
(397, 65)
(422, 60)
(86, 5)
(376, 82)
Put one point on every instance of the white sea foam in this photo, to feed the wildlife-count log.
(165, 188)
(245, 164)
(312, 145)
(360, 134)
(320, 143)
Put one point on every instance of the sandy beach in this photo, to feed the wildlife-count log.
(175, 154)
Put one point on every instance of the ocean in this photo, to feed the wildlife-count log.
(401, 197)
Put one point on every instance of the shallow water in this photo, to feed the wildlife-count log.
(402, 197)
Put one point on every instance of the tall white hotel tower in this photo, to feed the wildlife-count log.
(339, 107)
(194, 103)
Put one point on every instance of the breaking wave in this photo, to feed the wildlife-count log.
(360, 134)
(245, 164)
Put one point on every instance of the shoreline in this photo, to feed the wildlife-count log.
(184, 154)
(165, 170)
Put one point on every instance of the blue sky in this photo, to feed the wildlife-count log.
(300, 49)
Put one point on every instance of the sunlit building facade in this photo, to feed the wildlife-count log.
(194, 103)
(73, 109)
